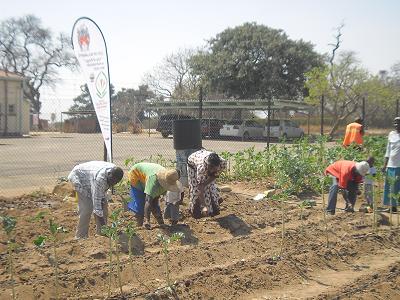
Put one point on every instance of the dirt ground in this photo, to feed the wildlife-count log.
(235, 255)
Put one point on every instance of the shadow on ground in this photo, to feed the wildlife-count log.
(234, 224)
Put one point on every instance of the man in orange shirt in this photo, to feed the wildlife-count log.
(354, 133)
(346, 175)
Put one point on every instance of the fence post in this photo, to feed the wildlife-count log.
(322, 114)
(363, 109)
(269, 123)
(149, 123)
(397, 108)
(308, 123)
(201, 103)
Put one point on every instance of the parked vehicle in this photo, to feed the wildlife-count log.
(243, 129)
(165, 124)
(211, 127)
(284, 129)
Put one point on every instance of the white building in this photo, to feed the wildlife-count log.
(14, 109)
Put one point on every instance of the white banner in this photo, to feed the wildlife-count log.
(90, 49)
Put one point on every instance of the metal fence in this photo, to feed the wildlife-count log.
(35, 162)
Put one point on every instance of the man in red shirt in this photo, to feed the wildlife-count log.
(346, 175)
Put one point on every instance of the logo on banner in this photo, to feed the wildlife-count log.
(101, 84)
(83, 38)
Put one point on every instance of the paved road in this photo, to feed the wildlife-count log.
(27, 164)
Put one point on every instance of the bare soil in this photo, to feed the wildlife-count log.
(236, 255)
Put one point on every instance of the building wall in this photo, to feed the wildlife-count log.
(25, 117)
(16, 110)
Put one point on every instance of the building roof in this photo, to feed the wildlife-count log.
(10, 75)
(254, 104)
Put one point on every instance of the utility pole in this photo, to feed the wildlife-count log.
(269, 123)
(322, 114)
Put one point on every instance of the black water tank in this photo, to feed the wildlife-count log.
(187, 134)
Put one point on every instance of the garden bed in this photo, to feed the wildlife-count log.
(236, 255)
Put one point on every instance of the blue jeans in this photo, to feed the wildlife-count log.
(349, 195)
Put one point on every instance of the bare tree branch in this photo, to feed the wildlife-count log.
(30, 50)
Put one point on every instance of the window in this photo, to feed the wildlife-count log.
(11, 109)
(274, 123)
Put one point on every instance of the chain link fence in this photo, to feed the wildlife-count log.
(37, 161)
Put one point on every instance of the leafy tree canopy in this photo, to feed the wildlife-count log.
(252, 60)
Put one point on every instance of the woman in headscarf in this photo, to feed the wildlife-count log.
(203, 169)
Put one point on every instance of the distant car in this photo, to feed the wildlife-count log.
(284, 129)
(243, 129)
(165, 124)
(211, 127)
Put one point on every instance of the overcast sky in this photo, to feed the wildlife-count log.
(140, 33)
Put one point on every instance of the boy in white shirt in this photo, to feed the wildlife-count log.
(172, 202)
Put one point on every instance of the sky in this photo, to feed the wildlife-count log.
(139, 34)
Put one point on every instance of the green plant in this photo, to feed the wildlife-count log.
(56, 234)
(305, 204)
(283, 209)
(323, 178)
(9, 224)
(130, 231)
(165, 242)
(226, 174)
(282, 199)
(39, 216)
(161, 160)
(378, 195)
(111, 231)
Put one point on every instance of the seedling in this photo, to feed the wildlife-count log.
(305, 204)
(56, 233)
(378, 195)
(39, 216)
(111, 231)
(130, 231)
(9, 224)
(322, 156)
(283, 200)
(165, 242)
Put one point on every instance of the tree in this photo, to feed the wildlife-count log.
(129, 104)
(251, 61)
(84, 100)
(343, 82)
(381, 100)
(173, 77)
(31, 51)
(343, 86)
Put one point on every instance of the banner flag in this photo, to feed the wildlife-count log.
(91, 51)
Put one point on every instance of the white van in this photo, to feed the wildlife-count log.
(284, 129)
(245, 130)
